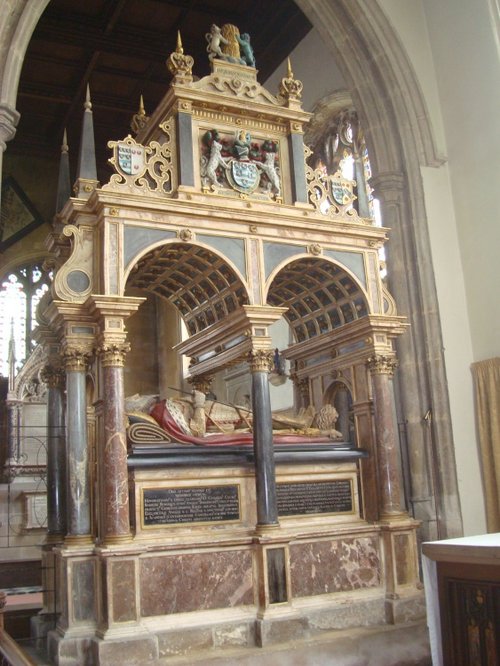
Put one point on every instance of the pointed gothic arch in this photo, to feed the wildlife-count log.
(400, 140)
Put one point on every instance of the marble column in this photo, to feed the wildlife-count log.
(78, 495)
(56, 454)
(113, 452)
(382, 370)
(265, 476)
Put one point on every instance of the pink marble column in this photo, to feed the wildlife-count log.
(382, 370)
(115, 499)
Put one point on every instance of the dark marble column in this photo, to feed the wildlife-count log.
(265, 477)
(56, 453)
(382, 370)
(113, 450)
(78, 498)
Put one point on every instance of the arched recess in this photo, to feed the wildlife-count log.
(339, 394)
(197, 281)
(320, 294)
(392, 109)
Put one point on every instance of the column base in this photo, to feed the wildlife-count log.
(117, 539)
(265, 530)
(78, 540)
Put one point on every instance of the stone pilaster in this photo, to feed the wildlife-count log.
(113, 450)
(389, 473)
(78, 500)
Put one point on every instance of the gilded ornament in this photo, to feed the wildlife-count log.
(315, 249)
(76, 358)
(202, 383)
(180, 65)
(113, 354)
(291, 88)
(382, 365)
(53, 376)
(113, 212)
(186, 235)
(261, 360)
(139, 119)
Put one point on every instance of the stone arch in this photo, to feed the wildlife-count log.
(15, 34)
(400, 140)
(320, 294)
(213, 290)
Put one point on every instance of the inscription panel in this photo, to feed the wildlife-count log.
(196, 504)
(304, 498)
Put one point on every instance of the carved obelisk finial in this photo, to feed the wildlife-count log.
(86, 178)
(64, 180)
(139, 119)
(291, 88)
(180, 65)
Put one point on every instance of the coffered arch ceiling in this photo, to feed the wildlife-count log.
(320, 296)
(198, 282)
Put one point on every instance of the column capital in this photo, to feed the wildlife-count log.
(53, 376)
(382, 365)
(9, 118)
(260, 360)
(76, 358)
(112, 354)
(388, 186)
(202, 383)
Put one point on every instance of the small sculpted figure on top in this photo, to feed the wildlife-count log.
(215, 39)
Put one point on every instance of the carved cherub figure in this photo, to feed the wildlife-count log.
(246, 49)
(215, 39)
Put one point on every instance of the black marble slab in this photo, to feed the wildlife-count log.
(144, 456)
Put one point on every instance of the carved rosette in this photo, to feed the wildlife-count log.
(113, 354)
(53, 376)
(76, 359)
(261, 360)
(202, 383)
(382, 365)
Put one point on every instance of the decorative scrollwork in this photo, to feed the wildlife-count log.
(332, 196)
(141, 167)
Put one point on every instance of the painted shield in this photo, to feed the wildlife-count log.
(131, 158)
(244, 176)
(341, 191)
